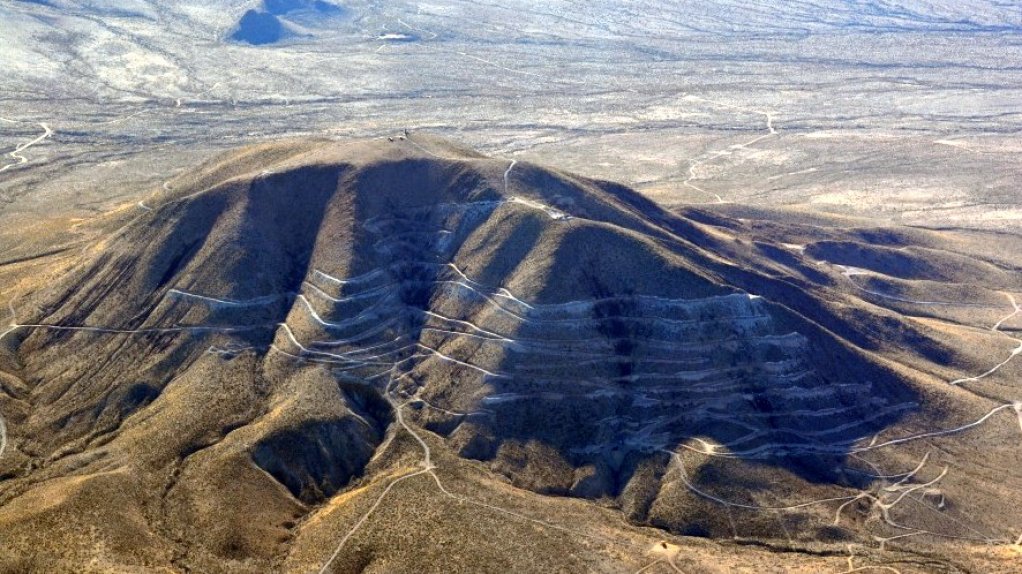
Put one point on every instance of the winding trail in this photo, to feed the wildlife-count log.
(179, 101)
(683, 475)
(432, 35)
(883, 498)
(427, 150)
(505, 68)
(764, 450)
(936, 433)
(507, 173)
(712, 156)
(1014, 353)
(673, 565)
(126, 117)
(852, 569)
(850, 272)
(365, 517)
(13, 323)
(426, 464)
(14, 326)
(997, 329)
(3, 423)
(144, 331)
(650, 566)
(1006, 318)
(17, 153)
(3, 436)
(253, 302)
(142, 204)
(428, 467)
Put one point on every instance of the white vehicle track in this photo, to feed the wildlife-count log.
(3, 436)
(511, 70)
(770, 449)
(13, 324)
(997, 329)
(179, 101)
(143, 331)
(852, 569)
(1010, 316)
(712, 156)
(255, 301)
(432, 35)
(883, 500)
(17, 153)
(428, 467)
(650, 566)
(3, 423)
(850, 272)
(507, 174)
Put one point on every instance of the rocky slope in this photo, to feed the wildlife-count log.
(253, 370)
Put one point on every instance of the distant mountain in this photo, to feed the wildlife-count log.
(277, 20)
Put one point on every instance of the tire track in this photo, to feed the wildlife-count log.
(712, 156)
(17, 153)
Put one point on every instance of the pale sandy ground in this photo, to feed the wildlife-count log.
(804, 105)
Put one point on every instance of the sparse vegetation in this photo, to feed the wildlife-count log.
(787, 341)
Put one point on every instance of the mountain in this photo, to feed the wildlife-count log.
(276, 20)
(401, 355)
